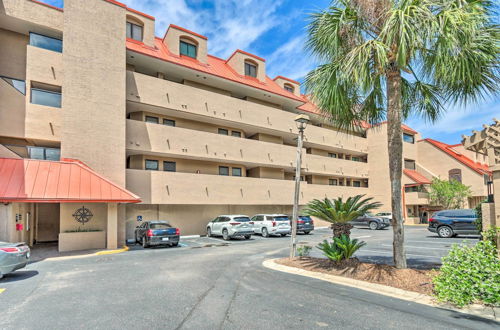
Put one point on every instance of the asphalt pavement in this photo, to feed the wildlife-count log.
(208, 283)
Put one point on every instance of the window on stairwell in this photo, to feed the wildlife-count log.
(169, 122)
(223, 170)
(47, 95)
(134, 31)
(151, 165)
(223, 131)
(250, 69)
(19, 85)
(49, 43)
(187, 48)
(236, 171)
(410, 164)
(169, 166)
(153, 120)
(408, 138)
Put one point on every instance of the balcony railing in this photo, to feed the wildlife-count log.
(185, 188)
(191, 100)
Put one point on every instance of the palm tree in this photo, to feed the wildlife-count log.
(339, 213)
(394, 58)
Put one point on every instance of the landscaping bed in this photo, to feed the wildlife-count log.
(407, 279)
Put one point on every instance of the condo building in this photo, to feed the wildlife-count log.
(103, 124)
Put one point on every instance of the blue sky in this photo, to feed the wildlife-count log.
(275, 30)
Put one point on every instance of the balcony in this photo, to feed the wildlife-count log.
(150, 91)
(156, 187)
(322, 165)
(416, 198)
(186, 143)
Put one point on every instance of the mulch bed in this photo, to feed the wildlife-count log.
(407, 279)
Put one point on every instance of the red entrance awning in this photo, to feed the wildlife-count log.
(65, 181)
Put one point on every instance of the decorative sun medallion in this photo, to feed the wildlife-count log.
(83, 215)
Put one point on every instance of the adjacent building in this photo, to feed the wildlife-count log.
(103, 125)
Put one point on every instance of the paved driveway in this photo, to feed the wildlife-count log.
(205, 285)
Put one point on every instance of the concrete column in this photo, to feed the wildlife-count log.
(112, 226)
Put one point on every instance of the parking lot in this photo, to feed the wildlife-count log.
(209, 283)
(424, 249)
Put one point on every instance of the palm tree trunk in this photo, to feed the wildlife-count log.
(395, 147)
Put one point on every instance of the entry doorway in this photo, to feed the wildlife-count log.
(47, 222)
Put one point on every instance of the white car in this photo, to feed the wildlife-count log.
(271, 224)
(386, 215)
(229, 226)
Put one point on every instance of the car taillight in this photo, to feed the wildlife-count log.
(301, 221)
(312, 222)
(177, 232)
(274, 223)
(150, 233)
(10, 249)
(234, 223)
(432, 220)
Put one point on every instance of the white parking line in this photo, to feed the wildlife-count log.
(420, 247)
(443, 242)
(362, 237)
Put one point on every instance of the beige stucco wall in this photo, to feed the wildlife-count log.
(268, 138)
(439, 163)
(282, 82)
(82, 241)
(267, 173)
(33, 12)
(8, 222)
(172, 40)
(68, 222)
(148, 31)
(94, 39)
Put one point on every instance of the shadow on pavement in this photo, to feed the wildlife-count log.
(18, 275)
(417, 263)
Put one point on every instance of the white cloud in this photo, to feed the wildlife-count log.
(229, 24)
(459, 119)
(290, 60)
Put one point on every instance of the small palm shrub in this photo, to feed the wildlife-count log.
(469, 274)
(304, 250)
(341, 248)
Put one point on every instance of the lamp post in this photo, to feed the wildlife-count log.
(301, 122)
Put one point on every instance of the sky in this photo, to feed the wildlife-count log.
(276, 31)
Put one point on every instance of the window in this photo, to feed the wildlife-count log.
(356, 183)
(134, 31)
(455, 174)
(355, 159)
(332, 182)
(151, 119)
(223, 170)
(169, 166)
(44, 153)
(289, 88)
(20, 85)
(408, 138)
(236, 134)
(151, 165)
(410, 164)
(412, 189)
(41, 41)
(236, 171)
(45, 97)
(332, 155)
(187, 49)
(223, 131)
(250, 69)
(169, 122)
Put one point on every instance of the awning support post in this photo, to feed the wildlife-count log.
(112, 226)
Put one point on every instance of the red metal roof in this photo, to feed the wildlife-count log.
(415, 176)
(65, 181)
(214, 66)
(447, 148)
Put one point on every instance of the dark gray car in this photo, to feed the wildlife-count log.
(156, 233)
(13, 256)
(370, 221)
(449, 223)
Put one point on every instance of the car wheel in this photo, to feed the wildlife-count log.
(144, 242)
(265, 233)
(137, 240)
(307, 232)
(373, 225)
(248, 236)
(225, 235)
(283, 235)
(175, 244)
(209, 232)
(445, 232)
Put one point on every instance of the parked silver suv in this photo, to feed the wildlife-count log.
(229, 226)
(271, 224)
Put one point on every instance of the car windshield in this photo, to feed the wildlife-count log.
(280, 218)
(159, 225)
(242, 219)
(304, 217)
(369, 214)
(383, 213)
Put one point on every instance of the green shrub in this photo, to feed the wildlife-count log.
(340, 248)
(330, 250)
(304, 250)
(469, 274)
(491, 235)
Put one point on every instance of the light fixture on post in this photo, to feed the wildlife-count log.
(301, 122)
(490, 191)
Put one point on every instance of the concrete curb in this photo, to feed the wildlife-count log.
(100, 253)
(191, 236)
(475, 309)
